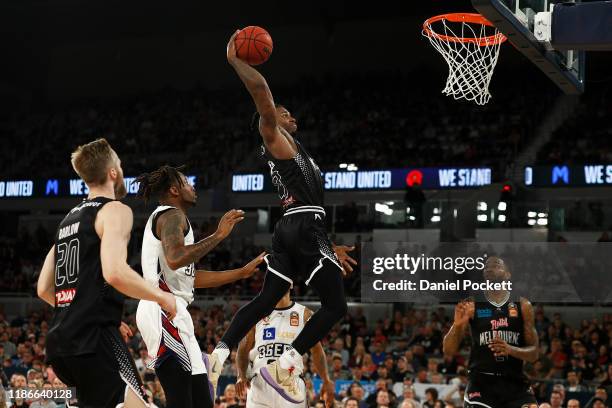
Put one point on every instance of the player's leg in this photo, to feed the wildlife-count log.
(274, 288)
(329, 285)
(176, 382)
(518, 394)
(201, 397)
(283, 374)
(480, 393)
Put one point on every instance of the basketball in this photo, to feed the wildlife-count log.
(253, 45)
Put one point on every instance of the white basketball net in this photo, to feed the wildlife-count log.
(471, 54)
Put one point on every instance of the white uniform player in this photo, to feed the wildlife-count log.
(272, 336)
(161, 336)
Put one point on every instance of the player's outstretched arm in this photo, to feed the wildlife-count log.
(530, 351)
(319, 359)
(464, 311)
(242, 363)
(257, 86)
(114, 225)
(171, 226)
(213, 279)
(45, 288)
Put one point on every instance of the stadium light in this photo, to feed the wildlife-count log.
(412, 218)
(531, 221)
(407, 210)
(502, 206)
(482, 206)
(352, 167)
(437, 210)
(482, 217)
(343, 165)
(435, 218)
(542, 221)
(531, 214)
(501, 218)
(389, 211)
(381, 207)
(542, 215)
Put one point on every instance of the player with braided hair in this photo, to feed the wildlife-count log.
(168, 261)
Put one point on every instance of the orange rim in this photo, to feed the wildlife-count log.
(473, 18)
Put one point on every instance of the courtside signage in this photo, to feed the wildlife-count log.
(562, 175)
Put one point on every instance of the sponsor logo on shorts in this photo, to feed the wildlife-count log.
(484, 313)
(474, 395)
(294, 319)
(269, 333)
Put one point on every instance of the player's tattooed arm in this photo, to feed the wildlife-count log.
(530, 351)
(45, 288)
(319, 360)
(464, 311)
(256, 84)
(242, 363)
(171, 226)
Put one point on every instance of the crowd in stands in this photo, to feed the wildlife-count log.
(389, 120)
(395, 362)
(585, 137)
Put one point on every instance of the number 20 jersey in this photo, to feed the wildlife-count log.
(84, 302)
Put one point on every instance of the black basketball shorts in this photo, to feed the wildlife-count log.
(300, 245)
(101, 378)
(493, 391)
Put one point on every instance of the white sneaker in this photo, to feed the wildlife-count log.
(285, 382)
(214, 367)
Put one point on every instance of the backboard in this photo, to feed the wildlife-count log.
(516, 20)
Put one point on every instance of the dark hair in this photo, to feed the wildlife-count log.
(158, 182)
(255, 118)
(433, 392)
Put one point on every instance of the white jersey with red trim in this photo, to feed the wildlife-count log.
(155, 269)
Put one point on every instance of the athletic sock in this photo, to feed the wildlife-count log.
(291, 359)
(222, 352)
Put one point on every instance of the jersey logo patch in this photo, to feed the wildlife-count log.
(501, 322)
(512, 310)
(294, 319)
(474, 395)
(266, 320)
(269, 333)
(484, 313)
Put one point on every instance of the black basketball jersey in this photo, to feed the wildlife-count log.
(505, 322)
(84, 302)
(298, 180)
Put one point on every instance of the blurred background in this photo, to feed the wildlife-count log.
(401, 162)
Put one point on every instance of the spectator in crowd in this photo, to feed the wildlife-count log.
(383, 399)
(574, 383)
(351, 402)
(431, 397)
(556, 400)
(573, 403)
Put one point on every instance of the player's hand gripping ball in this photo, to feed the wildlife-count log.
(253, 45)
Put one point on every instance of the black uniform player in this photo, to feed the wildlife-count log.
(80, 278)
(301, 247)
(503, 335)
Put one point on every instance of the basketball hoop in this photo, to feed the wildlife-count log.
(470, 46)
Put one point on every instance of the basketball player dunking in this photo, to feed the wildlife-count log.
(503, 337)
(81, 278)
(300, 246)
(267, 341)
(168, 256)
